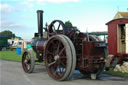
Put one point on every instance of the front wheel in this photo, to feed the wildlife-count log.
(28, 61)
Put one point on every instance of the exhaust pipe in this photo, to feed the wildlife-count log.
(40, 23)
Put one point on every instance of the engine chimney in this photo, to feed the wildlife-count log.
(40, 22)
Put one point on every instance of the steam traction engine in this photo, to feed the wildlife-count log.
(64, 50)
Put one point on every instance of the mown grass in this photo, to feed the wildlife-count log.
(12, 56)
(117, 73)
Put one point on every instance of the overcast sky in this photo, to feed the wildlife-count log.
(20, 17)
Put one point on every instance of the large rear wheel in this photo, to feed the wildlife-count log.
(60, 59)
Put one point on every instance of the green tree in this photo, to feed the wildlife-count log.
(69, 24)
(7, 33)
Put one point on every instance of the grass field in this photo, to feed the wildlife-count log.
(12, 56)
(112, 72)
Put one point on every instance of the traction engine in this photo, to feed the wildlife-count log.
(65, 49)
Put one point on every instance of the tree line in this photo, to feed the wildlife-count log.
(7, 33)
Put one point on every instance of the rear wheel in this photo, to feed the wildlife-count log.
(59, 57)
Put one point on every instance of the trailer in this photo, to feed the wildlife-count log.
(118, 41)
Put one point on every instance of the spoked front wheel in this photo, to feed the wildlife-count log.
(28, 61)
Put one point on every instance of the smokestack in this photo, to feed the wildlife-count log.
(40, 22)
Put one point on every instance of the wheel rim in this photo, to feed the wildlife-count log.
(56, 27)
(26, 61)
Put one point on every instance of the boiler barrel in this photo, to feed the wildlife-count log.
(40, 46)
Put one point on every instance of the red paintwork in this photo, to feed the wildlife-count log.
(92, 54)
(120, 57)
(112, 34)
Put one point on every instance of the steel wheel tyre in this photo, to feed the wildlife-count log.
(28, 61)
(73, 56)
(59, 58)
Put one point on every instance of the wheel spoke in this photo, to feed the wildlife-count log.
(55, 72)
(52, 63)
(53, 43)
(25, 61)
(28, 66)
(62, 50)
(25, 67)
(58, 47)
(54, 28)
(50, 53)
(58, 26)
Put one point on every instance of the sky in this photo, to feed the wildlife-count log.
(20, 17)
